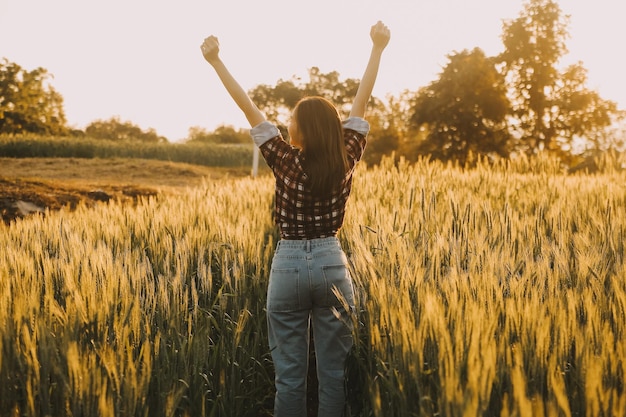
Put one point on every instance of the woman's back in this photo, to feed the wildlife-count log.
(301, 211)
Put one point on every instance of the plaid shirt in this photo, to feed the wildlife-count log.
(299, 213)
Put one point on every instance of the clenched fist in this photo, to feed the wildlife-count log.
(380, 35)
(210, 49)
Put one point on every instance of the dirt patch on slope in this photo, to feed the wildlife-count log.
(20, 197)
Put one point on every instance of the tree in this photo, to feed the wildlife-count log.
(580, 114)
(551, 108)
(28, 103)
(385, 135)
(534, 42)
(277, 102)
(114, 129)
(340, 93)
(463, 112)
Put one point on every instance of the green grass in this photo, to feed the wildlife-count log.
(25, 146)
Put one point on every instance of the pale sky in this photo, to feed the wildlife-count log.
(140, 60)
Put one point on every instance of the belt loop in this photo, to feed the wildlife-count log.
(308, 245)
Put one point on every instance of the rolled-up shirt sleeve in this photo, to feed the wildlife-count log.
(357, 124)
(263, 132)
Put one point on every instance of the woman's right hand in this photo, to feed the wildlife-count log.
(210, 49)
(380, 35)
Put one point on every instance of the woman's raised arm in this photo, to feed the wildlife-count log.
(380, 35)
(210, 50)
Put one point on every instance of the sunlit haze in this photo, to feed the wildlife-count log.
(140, 60)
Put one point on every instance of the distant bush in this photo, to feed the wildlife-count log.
(198, 153)
(221, 135)
(117, 130)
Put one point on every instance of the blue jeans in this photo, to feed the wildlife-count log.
(300, 293)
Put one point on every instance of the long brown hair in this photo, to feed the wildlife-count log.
(323, 146)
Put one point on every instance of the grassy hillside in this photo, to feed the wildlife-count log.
(29, 185)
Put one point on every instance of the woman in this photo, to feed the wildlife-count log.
(313, 181)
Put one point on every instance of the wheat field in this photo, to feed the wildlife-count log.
(493, 291)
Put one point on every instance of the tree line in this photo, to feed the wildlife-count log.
(518, 102)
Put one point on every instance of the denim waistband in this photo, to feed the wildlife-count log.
(308, 244)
